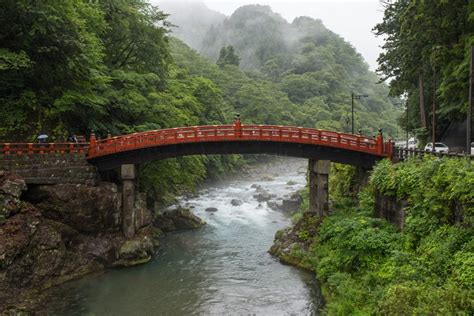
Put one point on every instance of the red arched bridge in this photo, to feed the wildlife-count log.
(147, 146)
(125, 151)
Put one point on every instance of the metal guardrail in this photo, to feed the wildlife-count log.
(400, 154)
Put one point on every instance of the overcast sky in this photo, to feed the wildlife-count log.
(352, 19)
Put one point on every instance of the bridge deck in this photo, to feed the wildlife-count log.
(226, 133)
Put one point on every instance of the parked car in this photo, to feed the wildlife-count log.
(412, 143)
(439, 147)
(472, 148)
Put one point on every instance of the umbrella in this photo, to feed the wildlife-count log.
(43, 136)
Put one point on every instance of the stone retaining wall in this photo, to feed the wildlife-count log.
(390, 208)
(51, 168)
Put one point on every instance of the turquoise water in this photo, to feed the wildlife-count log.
(221, 269)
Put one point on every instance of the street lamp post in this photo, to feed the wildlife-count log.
(347, 122)
(406, 127)
(357, 97)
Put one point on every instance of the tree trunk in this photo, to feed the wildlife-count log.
(422, 101)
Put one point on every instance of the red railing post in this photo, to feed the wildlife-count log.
(379, 142)
(238, 126)
(92, 146)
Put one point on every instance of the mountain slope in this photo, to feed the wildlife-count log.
(314, 68)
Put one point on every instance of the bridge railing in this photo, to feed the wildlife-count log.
(210, 133)
(18, 149)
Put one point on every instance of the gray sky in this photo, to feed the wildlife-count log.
(351, 19)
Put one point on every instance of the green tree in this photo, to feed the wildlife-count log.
(227, 56)
(423, 40)
(51, 64)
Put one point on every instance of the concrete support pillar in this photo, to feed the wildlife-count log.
(319, 186)
(128, 175)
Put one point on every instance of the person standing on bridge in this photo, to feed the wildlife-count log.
(43, 138)
(237, 125)
(72, 138)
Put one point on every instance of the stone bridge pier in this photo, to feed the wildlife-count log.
(128, 175)
(319, 186)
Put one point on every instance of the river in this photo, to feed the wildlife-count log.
(220, 269)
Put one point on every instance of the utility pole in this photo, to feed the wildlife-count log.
(469, 105)
(406, 106)
(433, 122)
(347, 122)
(352, 107)
(357, 97)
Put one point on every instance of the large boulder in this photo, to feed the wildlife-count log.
(89, 210)
(12, 187)
(10, 193)
(236, 202)
(264, 196)
(292, 244)
(292, 204)
(177, 219)
(274, 205)
(135, 251)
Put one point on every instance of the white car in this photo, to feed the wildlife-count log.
(439, 148)
(472, 148)
(412, 143)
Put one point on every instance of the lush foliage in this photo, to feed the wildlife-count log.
(367, 266)
(72, 66)
(426, 55)
(227, 56)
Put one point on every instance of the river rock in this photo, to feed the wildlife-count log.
(13, 187)
(291, 244)
(293, 203)
(267, 177)
(211, 209)
(263, 196)
(274, 205)
(177, 219)
(135, 251)
(236, 202)
(255, 186)
(10, 192)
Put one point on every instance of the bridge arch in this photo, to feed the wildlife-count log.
(299, 142)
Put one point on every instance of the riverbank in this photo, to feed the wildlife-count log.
(369, 265)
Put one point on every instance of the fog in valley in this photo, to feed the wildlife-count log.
(353, 20)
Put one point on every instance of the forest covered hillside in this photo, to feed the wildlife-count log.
(301, 66)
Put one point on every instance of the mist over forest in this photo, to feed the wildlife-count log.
(314, 69)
